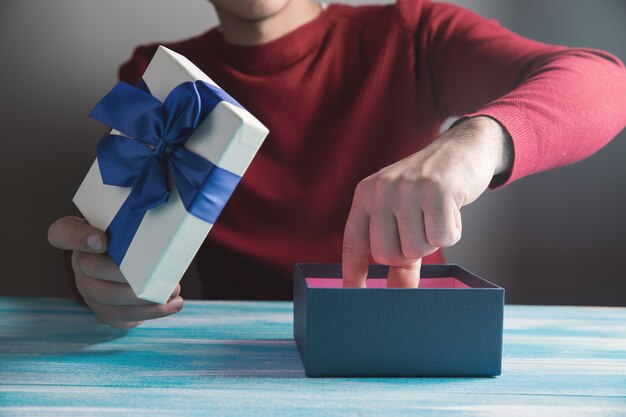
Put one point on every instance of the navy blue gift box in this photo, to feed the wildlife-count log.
(450, 326)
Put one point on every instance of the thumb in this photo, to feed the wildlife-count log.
(404, 276)
(73, 233)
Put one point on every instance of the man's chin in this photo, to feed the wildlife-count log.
(250, 10)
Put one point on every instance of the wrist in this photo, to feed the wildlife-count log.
(496, 140)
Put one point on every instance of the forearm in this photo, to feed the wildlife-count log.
(558, 104)
(569, 106)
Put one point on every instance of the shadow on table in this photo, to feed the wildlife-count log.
(30, 327)
(66, 331)
(247, 358)
(194, 362)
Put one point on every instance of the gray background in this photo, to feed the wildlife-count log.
(555, 238)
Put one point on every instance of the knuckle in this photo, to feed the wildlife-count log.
(362, 190)
(79, 278)
(388, 258)
(385, 184)
(406, 181)
(444, 238)
(75, 237)
(405, 194)
(56, 230)
(86, 287)
(91, 264)
(414, 252)
(80, 286)
(379, 188)
(380, 259)
(348, 249)
(429, 185)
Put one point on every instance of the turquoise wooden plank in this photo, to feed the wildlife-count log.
(239, 358)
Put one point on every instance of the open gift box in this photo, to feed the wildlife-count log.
(450, 326)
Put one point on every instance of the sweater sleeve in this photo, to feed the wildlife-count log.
(559, 105)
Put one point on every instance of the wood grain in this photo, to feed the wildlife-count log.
(239, 359)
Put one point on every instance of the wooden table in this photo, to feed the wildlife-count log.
(239, 359)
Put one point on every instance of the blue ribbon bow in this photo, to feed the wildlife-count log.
(154, 150)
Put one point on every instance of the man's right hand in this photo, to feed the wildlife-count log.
(100, 281)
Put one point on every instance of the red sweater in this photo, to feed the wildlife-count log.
(360, 88)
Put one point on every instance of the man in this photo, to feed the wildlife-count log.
(354, 99)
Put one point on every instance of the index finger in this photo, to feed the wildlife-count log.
(356, 249)
(73, 233)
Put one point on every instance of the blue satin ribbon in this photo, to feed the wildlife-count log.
(154, 150)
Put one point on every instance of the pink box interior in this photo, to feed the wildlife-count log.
(442, 282)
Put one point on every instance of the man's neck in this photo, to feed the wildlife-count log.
(240, 31)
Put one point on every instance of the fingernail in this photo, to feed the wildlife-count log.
(177, 303)
(94, 242)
